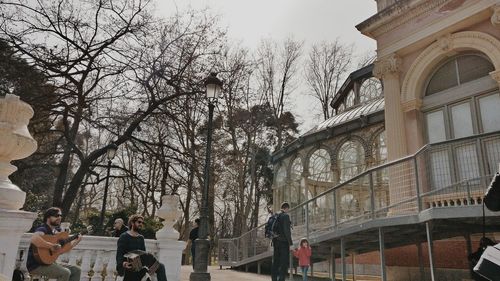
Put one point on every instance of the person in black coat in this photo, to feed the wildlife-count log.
(193, 235)
(282, 245)
(130, 241)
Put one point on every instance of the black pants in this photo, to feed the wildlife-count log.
(281, 256)
(193, 252)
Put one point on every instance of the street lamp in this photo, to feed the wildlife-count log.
(110, 154)
(213, 87)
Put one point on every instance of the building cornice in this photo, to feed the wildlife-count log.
(399, 13)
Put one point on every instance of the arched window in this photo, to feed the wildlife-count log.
(351, 160)
(280, 184)
(379, 149)
(457, 71)
(320, 173)
(296, 190)
(461, 100)
(350, 99)
(370, 89)
(466, 110)
(320, 166)
(380, 176)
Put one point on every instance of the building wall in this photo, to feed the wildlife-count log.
(450, 260)
(412, 39)
(419, 28)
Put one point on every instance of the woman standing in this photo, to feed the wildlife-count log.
(303, 253)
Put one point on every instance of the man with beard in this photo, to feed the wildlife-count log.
(130, 241)
(51, 226)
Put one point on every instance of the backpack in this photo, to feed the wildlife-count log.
(18, 275)
(272, 226)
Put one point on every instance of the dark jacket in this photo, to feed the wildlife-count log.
(193, 235)
(118, 233)
(127, 243)
(285, 232)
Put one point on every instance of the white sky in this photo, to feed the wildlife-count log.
(309, 20)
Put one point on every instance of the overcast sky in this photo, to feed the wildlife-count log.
(309, 20)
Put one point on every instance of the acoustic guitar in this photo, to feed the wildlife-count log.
(47, 256)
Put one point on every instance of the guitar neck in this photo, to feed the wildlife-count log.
(71, 238)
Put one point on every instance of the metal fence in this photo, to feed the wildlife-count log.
(453, 173)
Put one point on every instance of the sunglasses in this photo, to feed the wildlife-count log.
(57, 216)
(140, 222)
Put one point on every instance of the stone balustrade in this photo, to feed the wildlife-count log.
(95, 255)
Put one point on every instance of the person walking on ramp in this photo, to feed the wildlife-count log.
(303, 253)
(282, 244)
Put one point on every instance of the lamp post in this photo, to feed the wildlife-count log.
(110, 154)
(213, 87)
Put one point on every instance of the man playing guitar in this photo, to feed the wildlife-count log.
(130, 241)
(51, 226)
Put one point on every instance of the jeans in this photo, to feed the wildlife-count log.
(281, 256)
(304, 272)
(61, 272)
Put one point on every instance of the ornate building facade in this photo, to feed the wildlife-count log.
(439, 67)
(337, 149)
(392, 185)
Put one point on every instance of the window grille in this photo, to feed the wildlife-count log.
(370, 89)
(458, 70)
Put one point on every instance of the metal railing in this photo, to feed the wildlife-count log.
(453, 173)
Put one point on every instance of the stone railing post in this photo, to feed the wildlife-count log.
(170, 248)
(15, 143)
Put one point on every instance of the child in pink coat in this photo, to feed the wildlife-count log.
(304, 255)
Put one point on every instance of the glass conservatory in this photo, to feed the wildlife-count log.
(335, 151)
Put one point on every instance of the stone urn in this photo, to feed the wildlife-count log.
(170, 249)
(170, 213)
(15, 143)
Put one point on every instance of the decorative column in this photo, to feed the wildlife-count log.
(170, 248)
(387, 69)
(15, 143)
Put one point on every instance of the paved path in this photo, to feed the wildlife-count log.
(225, 275)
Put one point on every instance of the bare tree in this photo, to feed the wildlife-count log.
(327, 66)
(366, 59)
(106, 59)
(277, 67)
